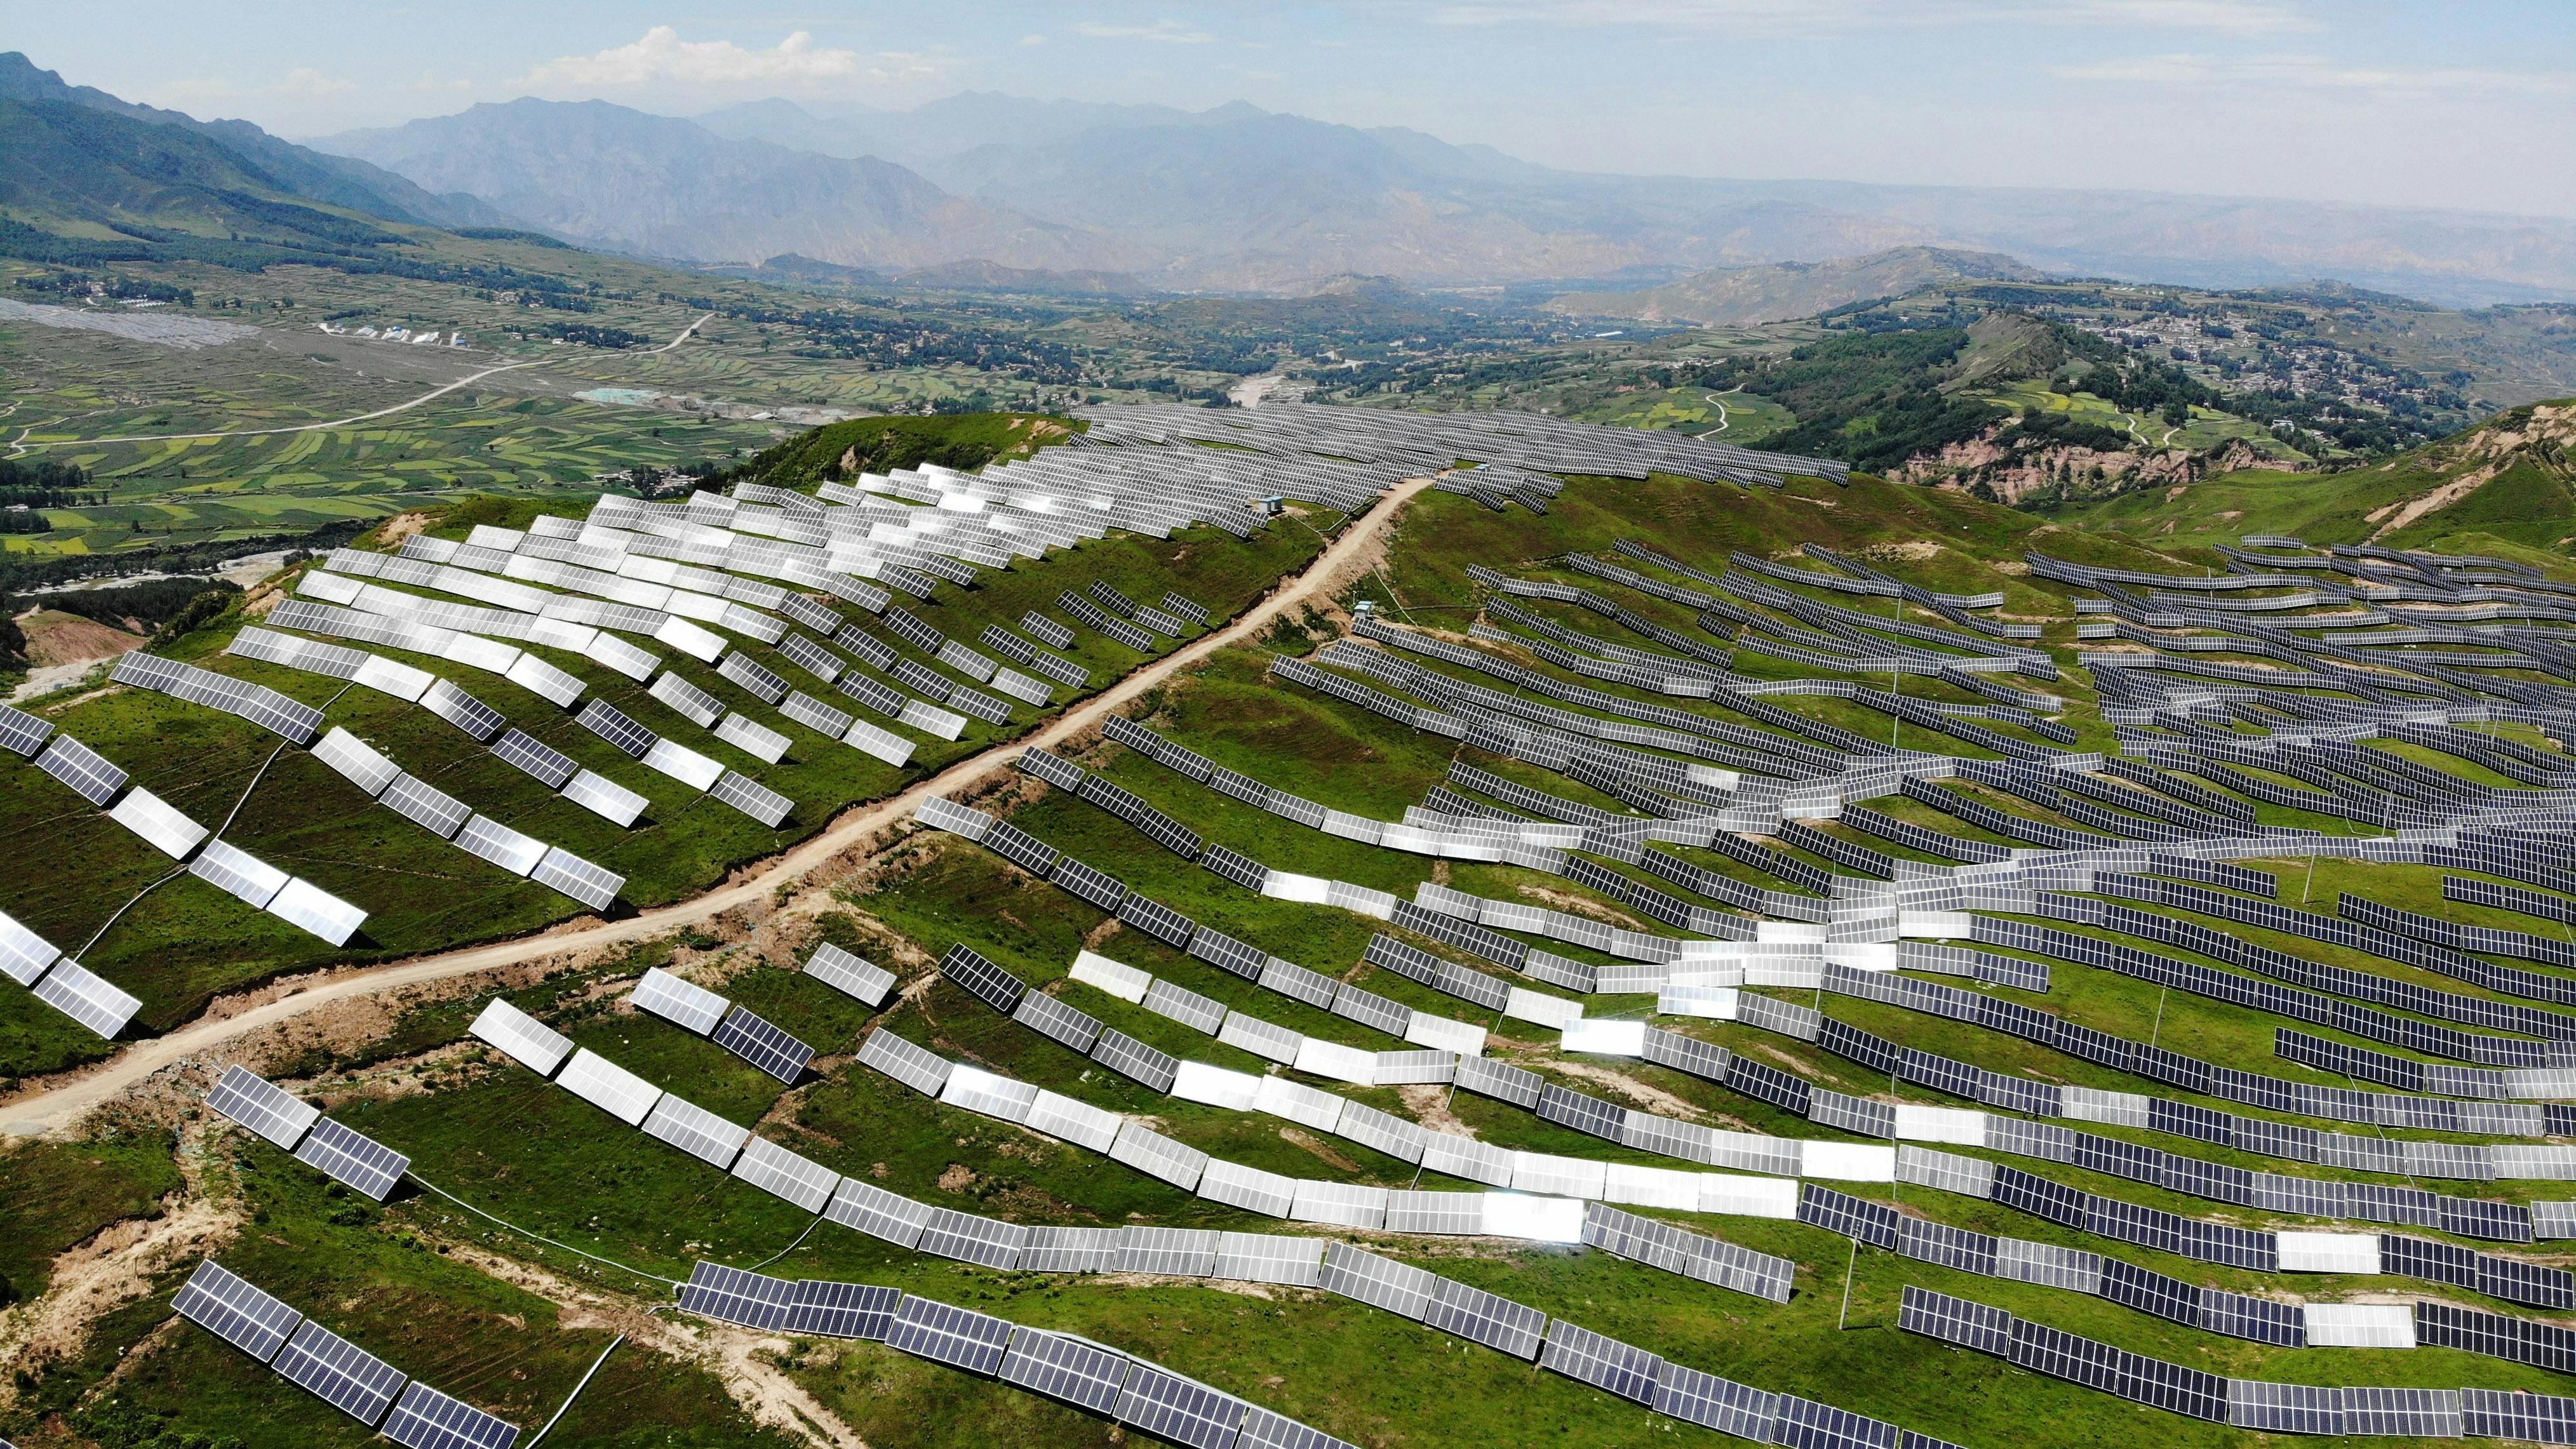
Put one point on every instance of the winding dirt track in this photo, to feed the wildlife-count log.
(60, 1102)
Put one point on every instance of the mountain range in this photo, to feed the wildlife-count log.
(1063, 195)
(1240, 199)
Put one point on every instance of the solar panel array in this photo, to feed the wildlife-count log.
(338, 1372)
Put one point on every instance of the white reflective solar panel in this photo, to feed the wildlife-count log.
(395, 678)
(302, 903)
(499, 844)
(342, 1374)
(752, 798)
(1270, 1258)
(682, 1002)
(613, 1089)
(695, 1130)
(24, 955)
(526, 1040)
(589, 884)
(426, 806)
(853, 975)
(158, 822)
(752, 738)
(605, 798)
(428, 1419)
(1079, 1123)
(238, 873)
(683, 764)
(82, 995)
(221, 1303)
(354, 760)
(978, 1090)
(775, 1170)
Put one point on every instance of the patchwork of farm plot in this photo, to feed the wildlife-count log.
(1621, 982)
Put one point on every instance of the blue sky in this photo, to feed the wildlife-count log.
(2452, 105)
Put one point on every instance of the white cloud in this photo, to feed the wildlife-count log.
(2316, 73)
(1161, 32)
(1777, 18)
(1033, 39)
(304, 80)
(662, 58)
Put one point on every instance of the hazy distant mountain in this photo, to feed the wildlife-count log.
(929, 133)
(1743, 296)
(1235, 198)
(281, 165)
(616, 178)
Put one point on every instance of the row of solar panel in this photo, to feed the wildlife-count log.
(2241, 1403)
(341, 1374)
(457, 823)
(738, 1029)
(1061, 1366)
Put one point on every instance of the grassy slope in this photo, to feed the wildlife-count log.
(2525, 498)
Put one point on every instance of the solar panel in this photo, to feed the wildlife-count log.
(1712, 1402)
(763, 684)
(1053, 1019)
(1172, 1252)
(79, 993)
(1805, 1424)
(589, 884)
(1098, 887)
(852, 975)
(1066, 1368)
(222, 1304)
(339, 1372)
(353, 1157)
(353, 760)
(733, 1295)
(428, 1419)
(499, 844)
(611, 1088)
(1379, 1283)
(82, 768)
(1072, 1250)
(957, 1337)
(1133, 1059)
(1962, 1321)
(1263, 1429)
(695, 1130)
(1270, 1258)
(23, 733)
(842, 1310)
(786, 1175)
(752, 798)
(866, 1208)
(916, 1068)
(238, 873)
(481, 720)
(762, 1044)
(24, 955)
(1486, 1318)
(526, 1040)
(994, 986)
(1605, 1363)
(686, 700)
(1167, 1406)
(611, 724)
(1158, 1156)
(681, 1002)
(426, 806)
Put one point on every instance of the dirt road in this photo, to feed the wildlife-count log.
(58, 1102)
